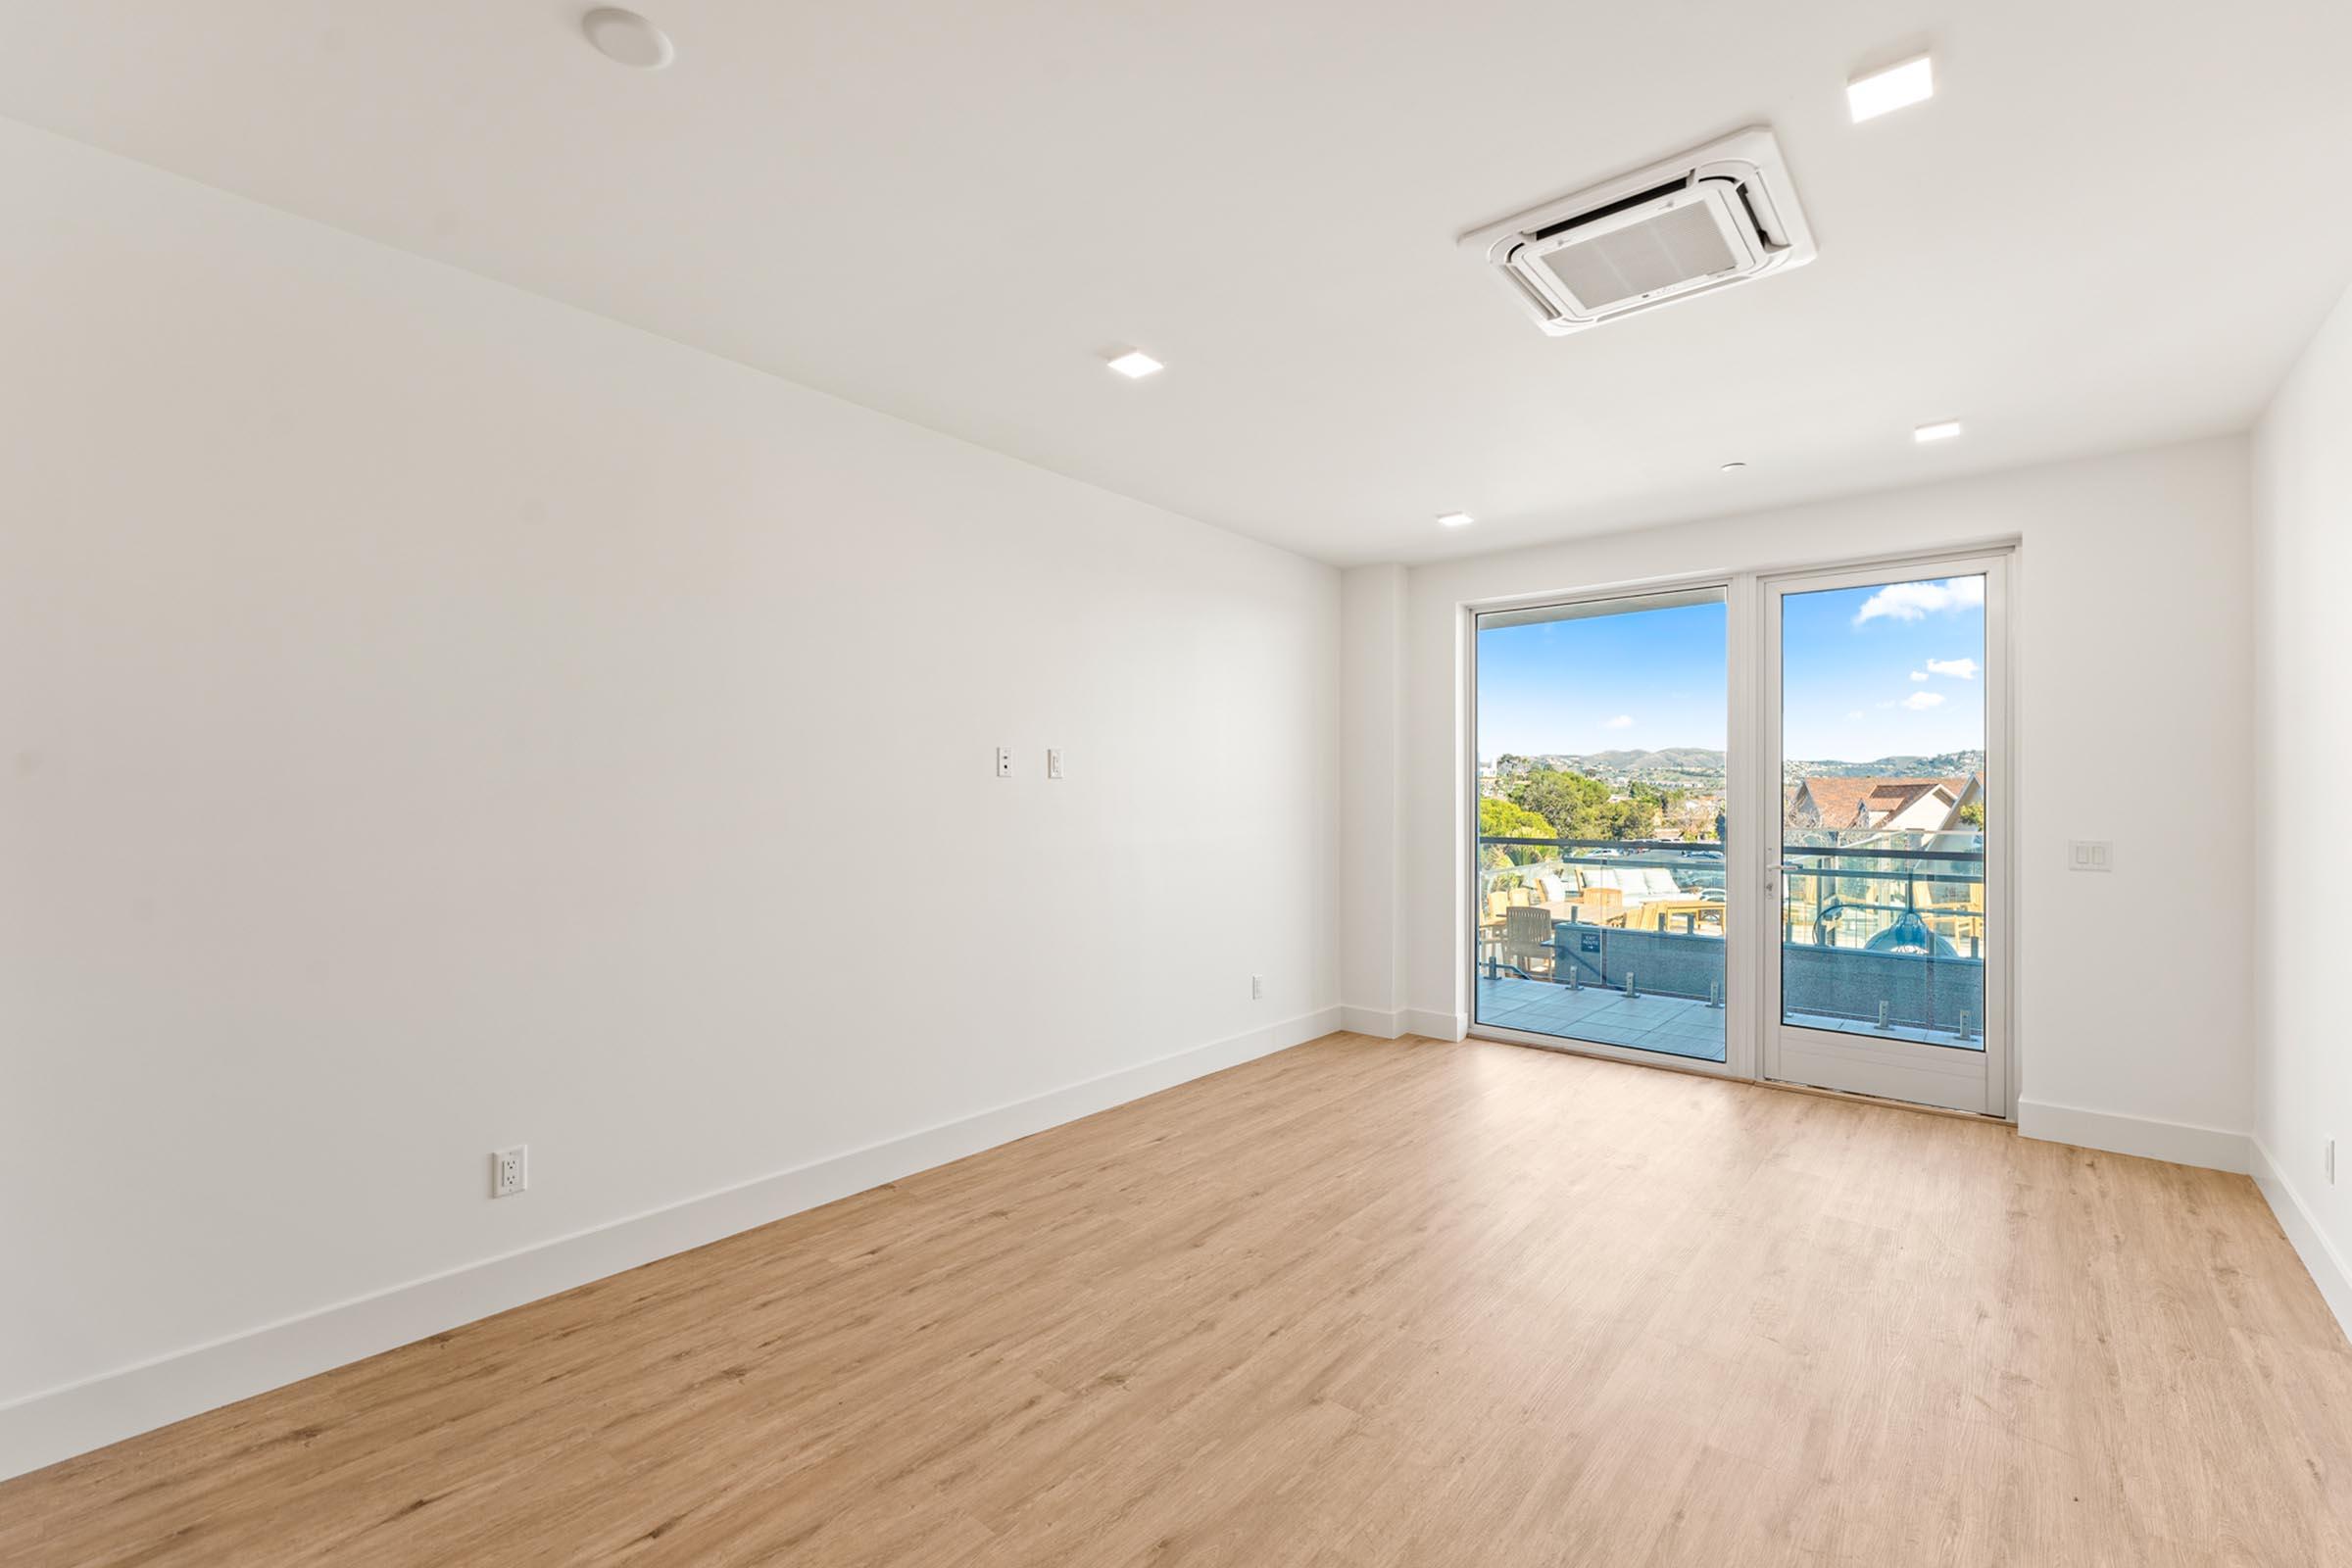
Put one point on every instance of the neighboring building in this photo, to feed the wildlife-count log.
(1892, 805)
(1699, 816)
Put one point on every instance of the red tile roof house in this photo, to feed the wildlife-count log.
(1928, 805)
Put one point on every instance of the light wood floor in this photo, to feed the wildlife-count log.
(1359, 1303)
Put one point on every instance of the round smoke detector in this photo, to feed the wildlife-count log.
(628, 38)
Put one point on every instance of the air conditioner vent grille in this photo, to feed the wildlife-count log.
(1678, 245)
(1718, 215)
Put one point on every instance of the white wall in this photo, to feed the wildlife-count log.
(1371, 799)
(434, 718)
(2132, 622)
(2303, 657)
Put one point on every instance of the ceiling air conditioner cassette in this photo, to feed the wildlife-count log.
(1721, 214)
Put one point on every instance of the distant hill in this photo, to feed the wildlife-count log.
(1684, 759)
(1699, 767)
(1944, 764)
(1689, 767)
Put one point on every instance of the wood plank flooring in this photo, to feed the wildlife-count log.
(1362, 1303)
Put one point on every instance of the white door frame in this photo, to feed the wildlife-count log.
(1752, 798)
(1894, 1069)
(1740, 1018)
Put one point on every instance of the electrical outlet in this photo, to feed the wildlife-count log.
(1257, 988)
(509, 1170)
(1053, 761)
(1004, 762)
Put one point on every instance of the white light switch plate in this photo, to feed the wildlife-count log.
(2090, 855)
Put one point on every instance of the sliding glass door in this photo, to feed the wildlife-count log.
(1751, 827)
(1887, 699)
(1603, 913)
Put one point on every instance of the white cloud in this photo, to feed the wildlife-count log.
(1916, 601)
(1622, 722)
(1856, 713)
(1957, 668)
(1921, 702)
(1919, 674)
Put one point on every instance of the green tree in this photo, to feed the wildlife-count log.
(1563, 799)
(1973, 814)
(1500, 819)
(1580, 807)
(1632, 819)
(1667, 800)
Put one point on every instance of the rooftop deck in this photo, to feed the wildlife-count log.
(1671, 1024)
(1674, 1025)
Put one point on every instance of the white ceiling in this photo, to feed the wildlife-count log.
(2114, 225)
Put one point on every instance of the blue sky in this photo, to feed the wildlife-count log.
(1644, 679)
(1869, 673)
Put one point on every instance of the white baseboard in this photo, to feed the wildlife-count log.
(1435, 1025)
(39, 1428)
(2327, 1267)
(1372, 1021)
(2180, 1142)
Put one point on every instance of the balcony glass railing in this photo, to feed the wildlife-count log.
(1881, 934)
(1611, 942)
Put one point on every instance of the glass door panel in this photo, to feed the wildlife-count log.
(1600, 899)
(1887, 699)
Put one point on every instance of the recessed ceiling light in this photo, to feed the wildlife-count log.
(1734, 467)
(627, 38)
(1941, 430)
(1897, 86)
(1455, 520)
(1135, 364)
